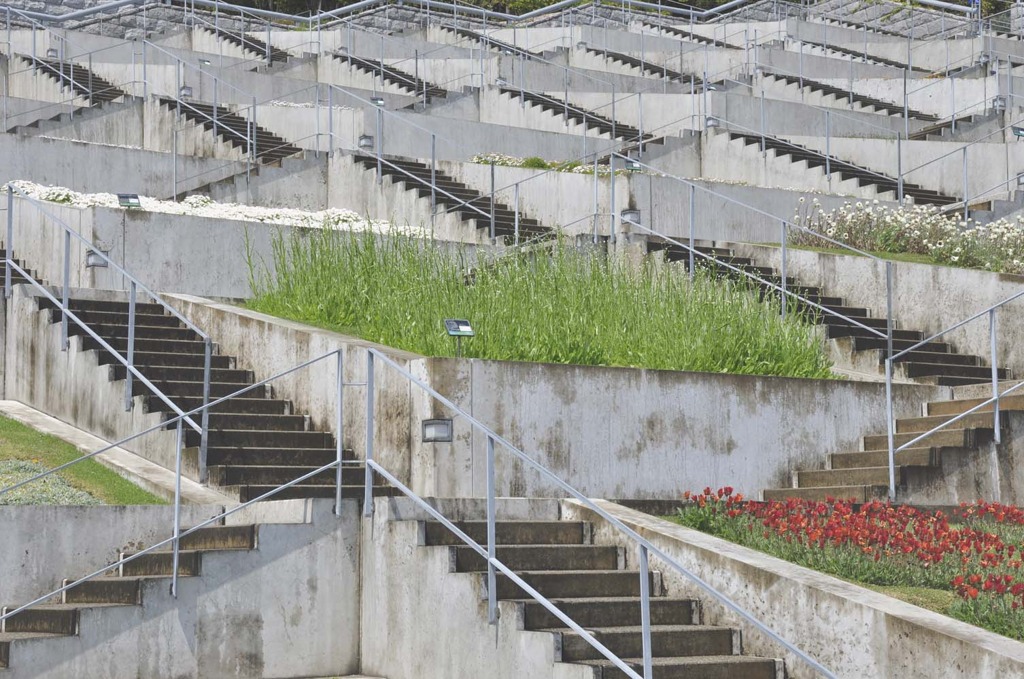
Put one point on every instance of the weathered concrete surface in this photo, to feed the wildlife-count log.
(455, 643)
(851, 630)
(258, 614)
(43, 544)
(619, 432)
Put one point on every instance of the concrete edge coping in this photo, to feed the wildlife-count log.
(651, 526)
(295, 326)
(138, 470)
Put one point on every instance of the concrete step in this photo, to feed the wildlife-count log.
(951, 380)
(91, 317)
(854, 493)
(299, 491)
(43, 619)
(697, 667)
(302, 457)
(1014, 401)
(239, 405)
(948, 438)
(610, 612)
(114, 306)
(511, 532)
(159, 563)
(6, 639)
(865, 343)
(211, 538)
(860, 476)
(542, 557)
(574, 584)
(106, 590)
(244, 475)
(148, 344)
(910, 457)
(242, 438)
(107, 331)
(922, 424)
(195, 389)
(982, 373)
(255, 422)
(666, 641)
(152, 359)
(186, 374)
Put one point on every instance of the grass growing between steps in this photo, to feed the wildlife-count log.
(25, 452)
(561, 306)
(969, 566)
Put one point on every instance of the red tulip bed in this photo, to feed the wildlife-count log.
(975, 555)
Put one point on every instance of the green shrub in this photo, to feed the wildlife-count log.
(535, 163)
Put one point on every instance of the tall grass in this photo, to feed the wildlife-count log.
(562, 307)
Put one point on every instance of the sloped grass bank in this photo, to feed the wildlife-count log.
(25, 452)
(559, 307)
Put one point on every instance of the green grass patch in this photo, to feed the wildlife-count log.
(559, 307)
(27, 452)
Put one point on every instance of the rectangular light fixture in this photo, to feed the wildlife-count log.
(52, 53)
(633, 165)
(366, 142)
(631, 216)
(377, 101)
(458, 328)
(437, 431)
(129, 200)
(185, 92)
(94, 260)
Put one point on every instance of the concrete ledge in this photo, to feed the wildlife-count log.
(853, 631)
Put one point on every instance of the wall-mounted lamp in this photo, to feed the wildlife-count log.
(999, 104)
(52, 53)
(95, 260)
(437, 431)
(377, 101)
(185, 92)
(458, 328)
(581, 45)
(205, 62)
(1020, 180)
(500, 82)
(366, 142)
(630, 216)
(711, 121)
(633, 165)
(129, 200)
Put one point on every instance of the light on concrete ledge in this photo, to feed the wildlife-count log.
(999, 104)
(52, 53)
(581, 45)
(633, 165)
(94, 260)
(500, 82)
(129, 200)
(630, 216)
(377, 101)
(366, 142)
(984, 58)
(437, 431)
(711, 121)
(458, 328)
(205, 62)
(1020, 179)
(185, 92)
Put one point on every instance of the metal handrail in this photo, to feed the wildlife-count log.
(991, 313)
(644, 546)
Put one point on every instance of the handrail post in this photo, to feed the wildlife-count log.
(368, 487)
(339, 427)
(828, 147)
(693, 221)
(493, 234)
(177, 512)
(492, 581)
(131, 347)
(645, 611)
(888, 309)
(784, 236)
(992, 324)
(205, 433)
(433, 173)
(763, 146)
(891, 434)
(965, 185)
(64, 342)
(379, 144)
(515, 234)
(9, 245)
(899, 168)
(611, 185)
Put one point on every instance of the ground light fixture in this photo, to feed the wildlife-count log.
(129, 200)
(366, 142)
(458, 328)
(95, 260)
(711, 121)
(185, 92)
(437, 431)
(205, 62)
(52, 53)
(633, 165)
(630, 216)
(377, 101)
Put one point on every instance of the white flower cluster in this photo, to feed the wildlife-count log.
(572, 167)
(203, 206)
(919, 229)
(306, 104)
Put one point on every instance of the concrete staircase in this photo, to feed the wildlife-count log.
(256, 442)
(406, 82)
(944, 131)
(573, 113)
(234, 129)
(590, 583)
(863, 475)
(258, 48)
(645, 67)
(934, 363)
(855, 25)
(689, 35)
(861, 102)
(121, 587)
(77, 79)
(842, 169)
(504, 217)
(835, 50)
(494, 45)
